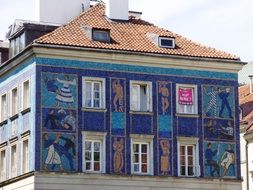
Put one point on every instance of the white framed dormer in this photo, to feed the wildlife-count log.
(141, 154)
(93, 92)
(25, 143)
(188, 156)
(187, 99)
(25, 94)
(3, 164)
(4, 107)
(14, 97)
(141, 96)
(94, 152)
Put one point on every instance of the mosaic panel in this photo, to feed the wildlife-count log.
(219, 159)
(165, 157)
(59, 152)
(118, 155)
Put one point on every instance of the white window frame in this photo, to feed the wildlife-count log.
(143, 139)
(3, 176)
(189, 141)
(25, 170)
(102, 92)
(1, 104)
(166, 38)
(149, 95)
(95, 136)
(10, 170)
(24, 107)
(195, 98)
(12, 113)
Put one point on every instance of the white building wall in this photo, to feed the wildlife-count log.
(243, 161)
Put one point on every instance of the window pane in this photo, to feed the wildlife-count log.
(190, 160)
(143, 98)
(182, 150)
(182, 170)
(96, 95)
(88, 156)
(144, 158)
(88, 166)
(96, 156)
(182, 160)
(96, 103)
(87, 145)
(136, 167)
(96, 166)
(136, 158)
(190, 150)
(134, 97)
(136, 148)
(190, 171)
(96, 146)
(144, 148)
(144, 168)
(97, 87)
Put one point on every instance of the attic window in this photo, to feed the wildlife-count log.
(166, 42)
(101, 35)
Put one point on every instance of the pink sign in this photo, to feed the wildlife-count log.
(185, 96)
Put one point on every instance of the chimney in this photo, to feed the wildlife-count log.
(117, 9)
(60, 11)
(250, 86)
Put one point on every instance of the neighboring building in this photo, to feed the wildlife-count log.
(246, 135)
(109, 101)
(4, 51)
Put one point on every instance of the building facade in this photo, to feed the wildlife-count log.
(81, 110)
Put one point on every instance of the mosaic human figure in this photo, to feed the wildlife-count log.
(118, 97)
(209, 154)
(212, 106)
(69, 121)
(227, 131)
(227, 159)
(165, 94)
(118, 147)
(165, 166)
(223, 95)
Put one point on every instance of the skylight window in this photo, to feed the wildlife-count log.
(166, 42)
(101, 35)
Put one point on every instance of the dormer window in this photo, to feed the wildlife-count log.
(166, 42)
(101, 35)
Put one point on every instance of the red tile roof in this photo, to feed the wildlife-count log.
(131, 35)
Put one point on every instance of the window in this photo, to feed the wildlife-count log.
(141, 96)
(26, 95)
(14, 101)
(187, 102)
(166, 42)
(94, 152)
(25, 157)
(14, 161)
(17, 45)
(3, 165)
(188, 157)
(141, 154)
(101, 35)
(4, 107)
(94, 93)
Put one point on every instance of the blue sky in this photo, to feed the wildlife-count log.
(223, 24)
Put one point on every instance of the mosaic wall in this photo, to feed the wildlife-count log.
(63, 119)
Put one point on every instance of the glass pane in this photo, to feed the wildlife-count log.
(144, 158)
(182, 150)
(88, 166)
(136, 158)
(134, 97)
(182, 170)
(88, 103)
(136, 148)
(96, 95)
(190, 160)
(96, 156)
(190, 171)
(144, 168)
(96, 103)
(96, 166)
(96, 146)
(182, 160)
(88, 156)
(96, 86)
(136, 167)
(87, 146)
(144, 148)
(190, 150)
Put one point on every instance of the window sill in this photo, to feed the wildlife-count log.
(94, 110)
(26, 110)
(187, 115)
(141, 113)
(15, 116)
(3, 122)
